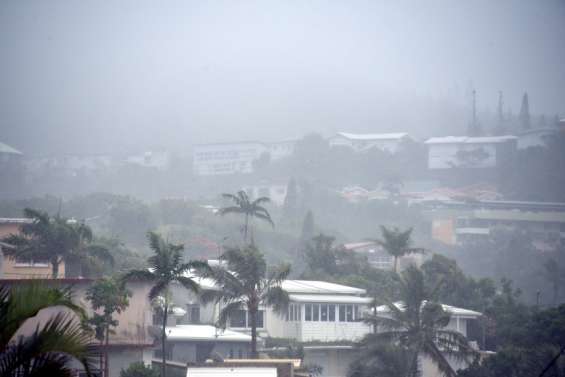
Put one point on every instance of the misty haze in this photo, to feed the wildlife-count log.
(282, 188)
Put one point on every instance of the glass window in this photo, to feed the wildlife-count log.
(324, 313)
(194, 311)
(331, 312)
(237, 319)
(349, 313)
(342, 313)
(291, 312)
(308, 312)
(260, 315)
(356, 314)
(316, 316)
(299, 313)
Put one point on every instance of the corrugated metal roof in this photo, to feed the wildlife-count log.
(331, 299)
(460, 312)
(204, 333)
(5, 148)
(319, 287)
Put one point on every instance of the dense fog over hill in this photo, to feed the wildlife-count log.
(86, 77)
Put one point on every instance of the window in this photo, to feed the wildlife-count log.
(193, 314)
(308, 312)
(316, 316)
(349, 313)
(342, 313)
(324, 313)
(259, 320)
(331, 312)
(237, 319)
(291, 308)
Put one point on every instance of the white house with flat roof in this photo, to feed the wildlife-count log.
(468, 152)
(236, 157)
(389, 142)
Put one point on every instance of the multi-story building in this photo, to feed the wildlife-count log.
(455, 222)
(236, 157)
(390, 142)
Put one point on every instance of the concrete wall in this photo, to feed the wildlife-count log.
(334, 360)
(190, 351)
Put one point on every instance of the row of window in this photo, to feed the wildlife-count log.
(242, 319)
(324, 313)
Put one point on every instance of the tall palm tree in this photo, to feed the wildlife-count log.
(554, 274)
(245, 284)
(397, 243)
(417, 326)
(54, 239)
(249, 209)
(49, 349)
(166, 267)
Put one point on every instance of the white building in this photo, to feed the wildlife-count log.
(275, 192)
(537, 137)
(468, 152)
(237, 157)
(389, 142)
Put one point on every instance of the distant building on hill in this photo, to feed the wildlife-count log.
(469, 152)
(237, 157)
(11, 172)
(389, 142)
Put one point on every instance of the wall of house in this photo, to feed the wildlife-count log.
(445, 156)
(334, 360)
(333, 331)
(10, 269)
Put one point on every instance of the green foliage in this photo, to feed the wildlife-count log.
(397, 243)
(249, 209)
(48, 350)
(417, 327)
(139, 370)
(247, 283)
(55, 239)
(166, 266)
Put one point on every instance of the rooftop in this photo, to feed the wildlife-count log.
(5, 148)
(333, 299)
(469, 140)
(460, 312)
(204, 333)
(387, 136)
(15, 220)
(319, 287)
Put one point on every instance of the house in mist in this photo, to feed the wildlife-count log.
(11, 172)
(276, 191)
(17, 268)
(160, 160)
(389, 142)
(378, 258)
(469, 152)
(237, 157)
(536, 137)
(455, 222)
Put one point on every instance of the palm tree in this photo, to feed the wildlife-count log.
(249, 209)
(417, 326)
(166, 267)
(244, 283)
(54, 239)
(397, 243)
(50, 348)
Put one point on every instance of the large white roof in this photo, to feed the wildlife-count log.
(469, 140)
(319, 287)
(453, 310)
(368, 137)
(204, 333)
(331, 299)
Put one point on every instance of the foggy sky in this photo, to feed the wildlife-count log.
(100, 76)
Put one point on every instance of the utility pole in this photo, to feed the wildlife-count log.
(500, 129)
(474, 128)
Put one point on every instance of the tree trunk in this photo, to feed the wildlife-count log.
(253, 319)
(395, 268)
(55, 268)
(245, 228)
(106, 364)
(164, 340)
(101, 357)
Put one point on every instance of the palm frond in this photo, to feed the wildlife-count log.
(277, 298)
(139, 275)
(159, 287)
(228, 311)
(188, 283)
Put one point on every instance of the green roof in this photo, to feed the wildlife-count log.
(4, 148)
